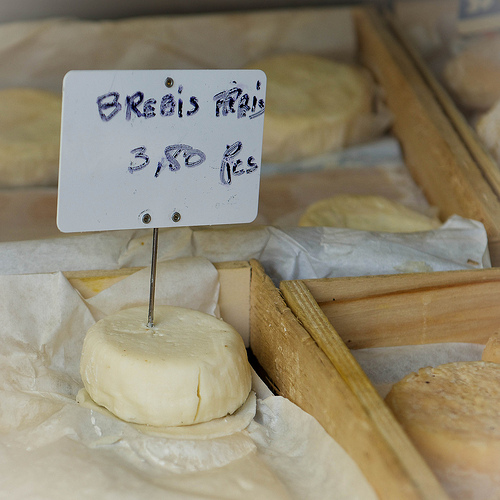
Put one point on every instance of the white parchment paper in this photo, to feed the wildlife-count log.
(53, 448)
(285, 253)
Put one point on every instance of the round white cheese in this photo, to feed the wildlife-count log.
(188, 368)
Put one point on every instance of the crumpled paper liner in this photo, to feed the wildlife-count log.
(51, 447)
(285, 253)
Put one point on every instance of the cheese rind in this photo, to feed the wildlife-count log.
(188, 368)
(451, 414)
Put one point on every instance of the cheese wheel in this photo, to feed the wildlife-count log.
(30, 124)
(491, 350)
(451, 413)
(312, 105)
(188, 368)
(473, 75)
(366, 212)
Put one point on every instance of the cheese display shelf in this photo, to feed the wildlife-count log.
(280, 326)
(440, 177)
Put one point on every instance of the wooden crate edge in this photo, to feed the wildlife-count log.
(302, 372)
(444, 168)
(421, 479)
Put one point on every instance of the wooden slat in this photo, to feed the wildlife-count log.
(461, 313)
(408, 476)
(302, 372)
(347, 288)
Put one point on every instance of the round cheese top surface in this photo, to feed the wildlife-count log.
(366, 212)
(451, 413)
(312, 104)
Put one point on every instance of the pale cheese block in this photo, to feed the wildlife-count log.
(188, 368)
(491, 350)
(366, 212)
(29, 137)
(473, 75)
(452, 415)
(313, 105)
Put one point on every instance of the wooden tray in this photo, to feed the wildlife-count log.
(297, 368)
(466, 178)
(377, 311)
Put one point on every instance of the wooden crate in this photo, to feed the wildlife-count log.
(294, 366)
(443, 152)
(378, 311)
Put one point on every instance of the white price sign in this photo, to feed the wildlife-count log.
(160, 148)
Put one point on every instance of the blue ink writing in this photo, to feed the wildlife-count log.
(188, 152)
(234, 100)
(136, 106)
(232, 167)
(108, 101)
(139, 152)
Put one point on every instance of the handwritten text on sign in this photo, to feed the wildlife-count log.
(160, 144)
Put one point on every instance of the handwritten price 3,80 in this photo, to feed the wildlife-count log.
(231, 166)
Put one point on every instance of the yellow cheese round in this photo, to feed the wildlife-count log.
(188, 368)
(312, 105)
(452, 415)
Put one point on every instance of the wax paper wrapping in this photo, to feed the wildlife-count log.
(51, 447)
